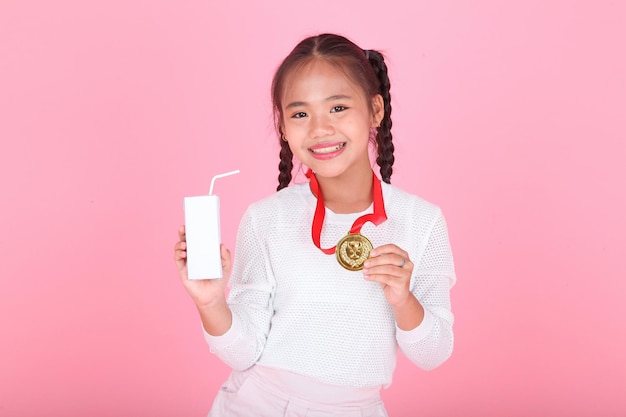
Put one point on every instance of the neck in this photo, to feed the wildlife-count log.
(347, 193)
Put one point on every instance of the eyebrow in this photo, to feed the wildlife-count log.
(331, 98)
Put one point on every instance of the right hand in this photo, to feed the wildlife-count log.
(204, 292)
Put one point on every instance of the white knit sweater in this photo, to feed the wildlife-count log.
(297, 309)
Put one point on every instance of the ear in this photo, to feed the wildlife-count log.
(378, 110)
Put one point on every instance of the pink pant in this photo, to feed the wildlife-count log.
(265, 392)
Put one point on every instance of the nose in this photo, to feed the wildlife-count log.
(321, 126)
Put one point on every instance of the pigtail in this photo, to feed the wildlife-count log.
(384, 141)
(285, 165)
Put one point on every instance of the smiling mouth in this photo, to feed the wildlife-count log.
(329, 149)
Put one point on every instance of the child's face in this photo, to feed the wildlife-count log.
(327, 120)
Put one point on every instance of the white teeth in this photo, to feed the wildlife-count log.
(328, 149)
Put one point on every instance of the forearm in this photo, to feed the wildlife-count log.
(430, 344)
(216, 317)
(409, 314)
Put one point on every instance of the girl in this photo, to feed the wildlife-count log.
(333, 275)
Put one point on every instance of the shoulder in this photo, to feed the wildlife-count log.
(411, 215)
(294, 194)
(404, 203)
(283, 204)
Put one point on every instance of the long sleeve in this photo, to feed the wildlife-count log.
(252, 288)
(431, 343)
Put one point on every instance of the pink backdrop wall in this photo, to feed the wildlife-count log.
(509, 115)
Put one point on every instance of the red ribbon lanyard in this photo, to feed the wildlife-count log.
(377, 217)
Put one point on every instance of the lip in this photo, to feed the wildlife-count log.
(338, 146)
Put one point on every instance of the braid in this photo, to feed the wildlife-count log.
(385, 157)
(285, 165)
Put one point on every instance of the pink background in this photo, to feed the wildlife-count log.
(509, 115)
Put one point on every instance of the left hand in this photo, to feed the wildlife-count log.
(390, 266)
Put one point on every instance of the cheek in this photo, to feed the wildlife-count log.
(295, 143)
(362, 129)
(295, 128)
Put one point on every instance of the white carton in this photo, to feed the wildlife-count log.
(202, 226)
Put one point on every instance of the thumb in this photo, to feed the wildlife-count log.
(227, 263)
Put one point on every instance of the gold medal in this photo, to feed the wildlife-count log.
(352, 251)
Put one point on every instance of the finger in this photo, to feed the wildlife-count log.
(180, 254)
(394, 259)
(403, 262)
(182, 235)
(182, 245)
(226, 258)
(180, 259)
(386, 270)
(384, 279)
(388, 248)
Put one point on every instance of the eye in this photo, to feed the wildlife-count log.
(337, 109)
(299, 115)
